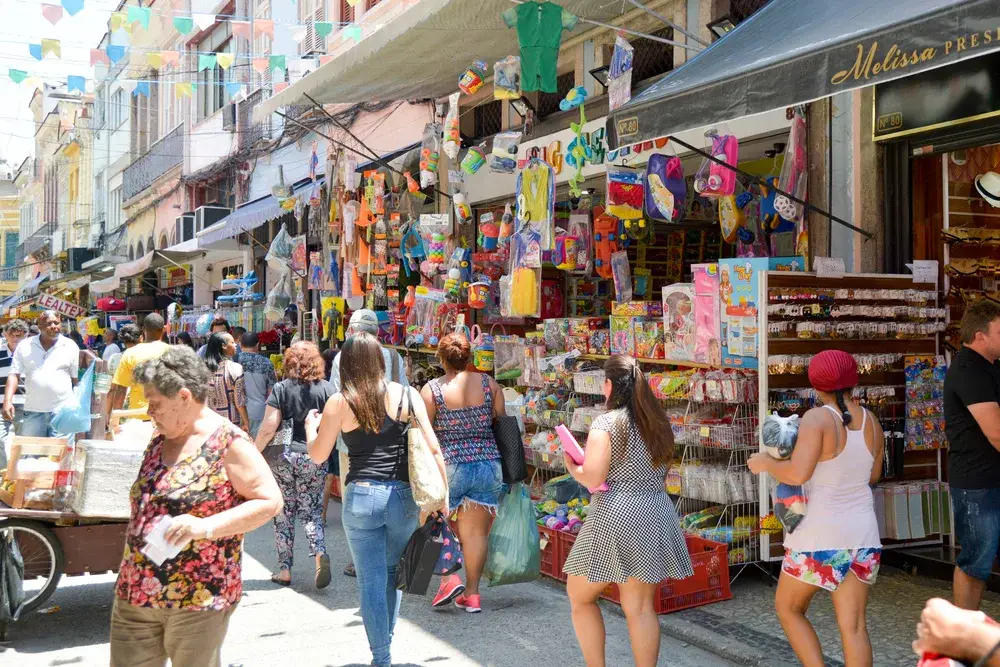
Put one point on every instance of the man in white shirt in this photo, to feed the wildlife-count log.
(49, 366)
(111, 346)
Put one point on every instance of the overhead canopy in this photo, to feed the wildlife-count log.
(28, 289)
(248, 218)
(796, 51)
(154, 259)
(420, 53)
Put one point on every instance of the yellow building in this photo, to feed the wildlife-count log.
(10, 227)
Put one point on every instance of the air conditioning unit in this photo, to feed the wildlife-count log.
(229, 117)
(77, 258)
(206, 216)
(184, 227)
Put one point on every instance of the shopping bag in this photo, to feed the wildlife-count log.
(450, 559)
(513, 555)
(73, 416)
(11, 578)
(416, 566)
(507, 433)
(429, 491)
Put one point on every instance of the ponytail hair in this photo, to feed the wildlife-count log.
(630, 390)
(845, 414)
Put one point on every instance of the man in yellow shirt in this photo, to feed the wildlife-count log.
(154, 347)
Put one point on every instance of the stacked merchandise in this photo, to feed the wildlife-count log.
(912, 510)
(925, 402)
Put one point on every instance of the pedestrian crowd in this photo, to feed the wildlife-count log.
(233, 447)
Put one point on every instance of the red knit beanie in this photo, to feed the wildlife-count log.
(833, 370)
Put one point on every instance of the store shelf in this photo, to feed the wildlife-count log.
(853, 346)
(659, 362)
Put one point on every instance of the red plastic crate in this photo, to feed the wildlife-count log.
(335, 488)
(550, 565)
(612, 594)
(710, 582)
(566, 541)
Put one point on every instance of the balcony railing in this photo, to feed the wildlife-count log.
(162, 156)
(8, 273)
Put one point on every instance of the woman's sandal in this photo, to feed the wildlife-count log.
(281, 582)
(323, 575)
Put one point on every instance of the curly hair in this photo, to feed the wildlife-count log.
(304, 363)
(177, 368)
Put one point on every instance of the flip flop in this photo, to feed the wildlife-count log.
(349, 571)
(323, 572)
(280, 582)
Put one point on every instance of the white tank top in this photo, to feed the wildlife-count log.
(840, 512)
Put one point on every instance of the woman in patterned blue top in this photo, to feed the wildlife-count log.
(462, 405)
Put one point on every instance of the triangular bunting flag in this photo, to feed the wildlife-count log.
(280, 86)
(203, 21)
(72, 6)
(206, 61)
(17, 75)
(170, 57)
(323, 28)
(299, 35)
(154, 59)
(98, 56)
(182, 89)
(129, 85)
(260, 65)
(141, 88)
(276, 62)
(76, 83)
(35, 50)
(263, 27)
(117, 21)
(225, 59)
(354, 32)
(53, 46)
(233, 87)
(183, 24)
(115, 52)
(353, 3)
(240, 29)
(140, 14)
(325, 59)
(52, 13)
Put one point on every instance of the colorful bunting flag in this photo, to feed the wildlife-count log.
(170, 57)
(203, 21)
(115, 52)
(276, 62)
(72, 6)
(53, 46)
(74, 82)
(206, 61)
(263, 27)
(35, 50)
(323, 28)
(154, 59)
(183, 24)
(233, 87)
(17, 75)
(118, 21)
(98, 56)
(240, 28)
(141, 88)
(52, 13)
(353, 3)
(140, 14)
(225, 59)
(260, 64)
(353, 31)
(299, 35)
(183, 89)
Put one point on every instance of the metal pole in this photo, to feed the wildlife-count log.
(670, 23)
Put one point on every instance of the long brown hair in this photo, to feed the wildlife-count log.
(362, 370)
(630, 390)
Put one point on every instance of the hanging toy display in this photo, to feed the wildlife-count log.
(452, 139)
(535, 194)
(564, 256)
(713, 179)
(350, 174)
(456, 184)
(731, 218)
(474, 159)
(435, 250)
(525, 279)
(666, 190)
(625, 192)
(622, 274)
(478, 293)
(482, 350)
(411, 183)
(473, 78)
(453, 283)
(579, 152)
(506, 225)
(489, 235)
(507, 79)
(411, 246)
(793, 178)
(313, 161)
(605, 241)
(503, 157)
(430, 154)
(579, 227)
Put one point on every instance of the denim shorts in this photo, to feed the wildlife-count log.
(977, 527)
(479, 482)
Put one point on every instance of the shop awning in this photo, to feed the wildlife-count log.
(105, 286)
(797, 51)
(154, 260)
(248, 218)
(420, 53)
(28, 289)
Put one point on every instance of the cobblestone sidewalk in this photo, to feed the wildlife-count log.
(746, 629)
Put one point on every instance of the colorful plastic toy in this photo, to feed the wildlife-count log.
(731, 218)
(489, 236)
(474, 159)
(506, 224)
(713, 179)
(605, 241)
(573, 99)
(666, 190)
(564, 256)
(472, 79)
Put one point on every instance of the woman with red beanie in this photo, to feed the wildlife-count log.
(837, 456)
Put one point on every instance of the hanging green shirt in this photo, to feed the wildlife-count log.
(539, 33)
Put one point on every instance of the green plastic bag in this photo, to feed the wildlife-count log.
(514, 555)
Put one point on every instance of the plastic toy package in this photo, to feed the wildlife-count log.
(452, 140)
(713, 179)
(794, 177)
(622, 274)
(421, 320)
(460, 203)
(525, 277)
(474, 159)
(620, 73)
(625, 192)
(430, 154)
(666, 189)
(508, 357)
(579, 227)
(279, 254)
(678, 321)
(507, 79)
(778, 435)
(503, 157)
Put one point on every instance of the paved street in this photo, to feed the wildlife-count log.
(527, 624)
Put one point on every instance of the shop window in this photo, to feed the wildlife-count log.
(548, 103)
(212, 93)
(140, 250)
(346, 12)
(488, 118)
(652, 58)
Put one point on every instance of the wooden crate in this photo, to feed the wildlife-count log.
(24, 481)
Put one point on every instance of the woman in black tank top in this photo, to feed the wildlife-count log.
(379, 512)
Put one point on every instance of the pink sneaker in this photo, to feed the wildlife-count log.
(451, 588)
(470, 603)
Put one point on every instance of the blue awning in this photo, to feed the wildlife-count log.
(249, 217)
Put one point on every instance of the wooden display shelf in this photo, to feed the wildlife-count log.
(659, 362)
(853, 346)
(795, 279)
(801, 381)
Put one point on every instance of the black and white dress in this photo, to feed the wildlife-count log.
(631, 530)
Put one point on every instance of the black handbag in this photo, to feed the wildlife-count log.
(417, 564)
(507, 433)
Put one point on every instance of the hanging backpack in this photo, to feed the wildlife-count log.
(666, 190)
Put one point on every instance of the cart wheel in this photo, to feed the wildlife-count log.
(43, 560)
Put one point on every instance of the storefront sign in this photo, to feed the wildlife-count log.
(70, 310)
(960, 93)
(177, 275)
(551, 154)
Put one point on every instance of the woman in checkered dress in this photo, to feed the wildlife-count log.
(631, 536)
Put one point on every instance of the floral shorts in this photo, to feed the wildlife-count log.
(828, 568)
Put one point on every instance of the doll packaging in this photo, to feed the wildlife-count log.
(707, 335)
(678, 322)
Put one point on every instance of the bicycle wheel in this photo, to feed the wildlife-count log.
(43, 559)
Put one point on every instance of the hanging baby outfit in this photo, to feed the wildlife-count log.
(539, 33)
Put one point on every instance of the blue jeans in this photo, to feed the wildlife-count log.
(37, 425)
(479, 482)
(977, 528)
(379, 518)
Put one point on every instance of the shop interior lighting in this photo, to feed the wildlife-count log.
(601, 74)
(721, 26)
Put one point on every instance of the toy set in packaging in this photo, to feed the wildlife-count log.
(707, 346)
(714, 179)
(666, 189)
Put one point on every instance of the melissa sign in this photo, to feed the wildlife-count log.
(49, 302)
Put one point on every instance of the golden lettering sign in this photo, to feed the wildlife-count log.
(628, 127)
(889, 122)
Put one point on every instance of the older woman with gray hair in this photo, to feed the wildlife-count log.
(208, 481)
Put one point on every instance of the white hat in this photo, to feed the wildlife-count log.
(988, 187)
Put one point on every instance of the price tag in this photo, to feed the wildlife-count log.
(543, 541)
(829, 267)
(705, 431)
(545, 457)
(924, 271)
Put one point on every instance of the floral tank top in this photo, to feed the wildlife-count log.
(465, 434)
(206, 574)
